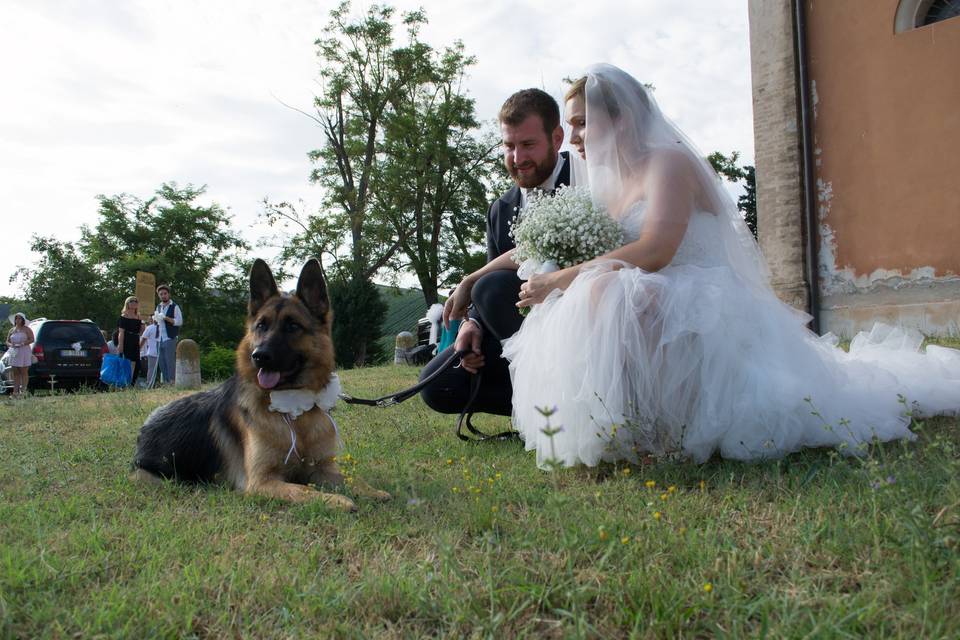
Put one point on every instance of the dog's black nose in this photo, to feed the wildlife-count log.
(261, 357)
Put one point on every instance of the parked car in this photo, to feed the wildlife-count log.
(6, 376)
(69, 350)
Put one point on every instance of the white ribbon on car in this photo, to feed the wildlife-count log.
(294, 402)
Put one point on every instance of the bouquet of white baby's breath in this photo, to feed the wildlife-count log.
(559, 231)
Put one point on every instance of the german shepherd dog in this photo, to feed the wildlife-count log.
(228, 434)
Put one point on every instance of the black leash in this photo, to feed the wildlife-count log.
(465, 417)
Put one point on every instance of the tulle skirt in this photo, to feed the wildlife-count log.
(690, 361)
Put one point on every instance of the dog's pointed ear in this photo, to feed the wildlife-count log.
(262, 286)
(312, 289)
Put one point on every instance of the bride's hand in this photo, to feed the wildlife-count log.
(538, 287)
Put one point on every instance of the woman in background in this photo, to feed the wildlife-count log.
(19, 340)
(129, 327)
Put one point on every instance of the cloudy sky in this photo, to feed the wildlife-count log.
(105, 97)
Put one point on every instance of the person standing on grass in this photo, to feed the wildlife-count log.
(129, 327)
(169, 319)
(148, 351)
(19, 339)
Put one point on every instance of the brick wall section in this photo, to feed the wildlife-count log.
(776, 126)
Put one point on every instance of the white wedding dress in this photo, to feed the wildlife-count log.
(691, 360)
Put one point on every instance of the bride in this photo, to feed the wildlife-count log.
(675, 342)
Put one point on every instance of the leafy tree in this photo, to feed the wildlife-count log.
(727, 167)
(63, 284)
(360, 77)
(436, 172)
(185, 244)
(405, 181)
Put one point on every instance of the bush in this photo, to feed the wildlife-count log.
(218, 363)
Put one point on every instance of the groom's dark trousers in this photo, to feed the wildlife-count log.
(499, 318)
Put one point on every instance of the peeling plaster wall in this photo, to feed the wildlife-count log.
(887, 150)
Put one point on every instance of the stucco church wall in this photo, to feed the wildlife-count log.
(887, 149)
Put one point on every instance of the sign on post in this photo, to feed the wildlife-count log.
(146, 293)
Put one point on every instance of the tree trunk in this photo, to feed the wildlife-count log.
(429, 287)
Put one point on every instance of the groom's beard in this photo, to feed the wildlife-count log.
(541, 171)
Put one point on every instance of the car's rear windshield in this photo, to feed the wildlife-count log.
(69, 332)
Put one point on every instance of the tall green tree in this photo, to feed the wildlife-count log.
(728, 167)
(404, 177)
(437, 171)
(360, 78)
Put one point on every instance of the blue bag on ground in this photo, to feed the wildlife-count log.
(115, 370)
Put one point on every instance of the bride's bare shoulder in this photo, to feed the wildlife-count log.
(673, 162)
(668, 168)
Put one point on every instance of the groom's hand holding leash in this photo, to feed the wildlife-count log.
(468, 339)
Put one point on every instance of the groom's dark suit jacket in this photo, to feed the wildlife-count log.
(494, 298)
(504, 210)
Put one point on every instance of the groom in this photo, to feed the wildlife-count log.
(531, 134)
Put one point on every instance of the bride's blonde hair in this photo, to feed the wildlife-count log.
(577, 88)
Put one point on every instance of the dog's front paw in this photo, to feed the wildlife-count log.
(380, 496)
(339, 502)
(361, 488)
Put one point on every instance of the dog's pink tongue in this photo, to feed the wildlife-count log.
(268, 379)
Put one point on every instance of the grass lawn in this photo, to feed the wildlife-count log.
(477, 541)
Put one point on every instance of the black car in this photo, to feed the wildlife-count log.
(70, 351)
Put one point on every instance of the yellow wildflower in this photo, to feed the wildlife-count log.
(625, 540)
(708, 587)
(650, 484)
(656, 515)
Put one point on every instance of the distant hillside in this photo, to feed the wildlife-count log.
(404, 308)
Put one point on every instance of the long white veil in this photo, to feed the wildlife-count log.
(624, 127)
